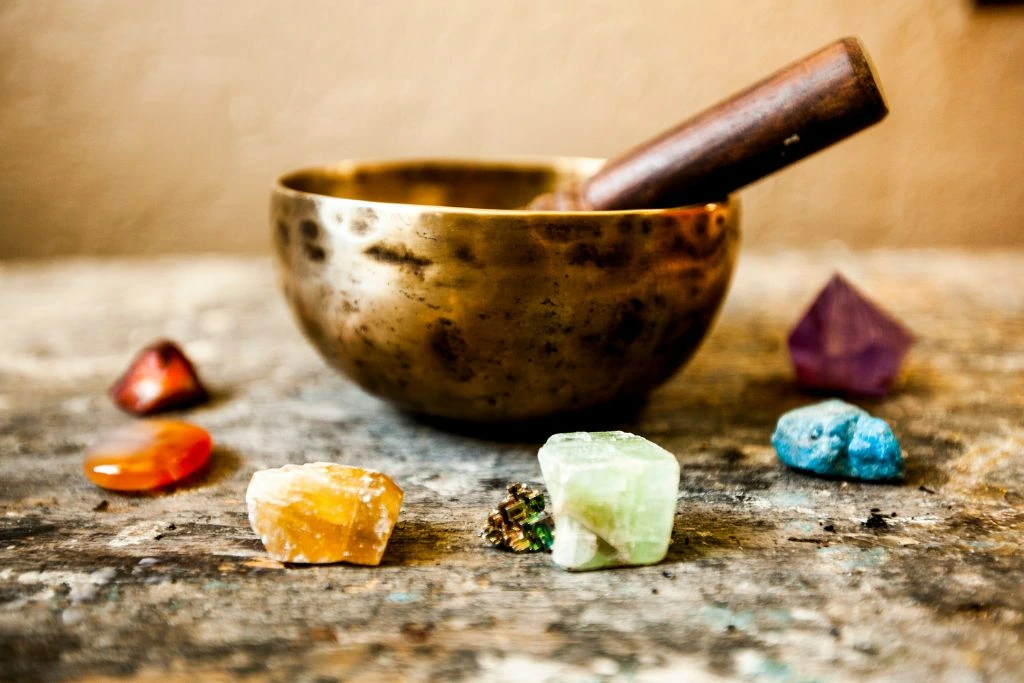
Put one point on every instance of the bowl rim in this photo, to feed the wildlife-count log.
(559, 164)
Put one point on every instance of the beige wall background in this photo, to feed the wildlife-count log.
(131, 126)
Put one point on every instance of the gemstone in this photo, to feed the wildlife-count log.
(837, 439)
(848, 344)
(613, 496)
(519, 523)
(323, 512)
(147, 455)
(160, 378)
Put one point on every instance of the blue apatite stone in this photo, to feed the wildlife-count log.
(874, 452)
(837, 439)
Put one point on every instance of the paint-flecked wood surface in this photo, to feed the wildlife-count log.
(772, 574)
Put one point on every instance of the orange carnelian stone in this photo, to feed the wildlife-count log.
(322, 512)
(147, 455)
(160, 378)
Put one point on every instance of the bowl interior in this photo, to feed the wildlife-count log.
(461, 184)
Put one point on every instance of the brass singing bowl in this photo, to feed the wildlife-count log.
(423, 283)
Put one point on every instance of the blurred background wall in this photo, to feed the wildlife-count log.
(131, 126)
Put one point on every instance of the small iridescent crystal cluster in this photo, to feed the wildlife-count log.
(519, 523)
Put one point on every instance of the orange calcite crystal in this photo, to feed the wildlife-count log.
(160, 378)
(322, 512)
(147, 455)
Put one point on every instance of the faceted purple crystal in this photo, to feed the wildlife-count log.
(846, 343)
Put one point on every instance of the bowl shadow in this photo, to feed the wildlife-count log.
(619, 414)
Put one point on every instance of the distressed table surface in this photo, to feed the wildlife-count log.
(772, 575)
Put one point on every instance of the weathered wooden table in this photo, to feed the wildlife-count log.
(772, 575)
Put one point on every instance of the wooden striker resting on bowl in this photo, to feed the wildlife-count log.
(421, 282)
(789, 115)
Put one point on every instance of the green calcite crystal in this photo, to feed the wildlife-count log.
(613, 496)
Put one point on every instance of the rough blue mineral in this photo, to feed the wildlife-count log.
(837, 439)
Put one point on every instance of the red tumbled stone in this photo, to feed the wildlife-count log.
(846, 343)
(160, 378)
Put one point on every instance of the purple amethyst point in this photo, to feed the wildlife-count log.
(847, 343)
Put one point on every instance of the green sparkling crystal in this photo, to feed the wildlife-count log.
(519, 523)
(544, 532)
(613, 496)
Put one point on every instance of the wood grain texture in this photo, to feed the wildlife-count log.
(771, 576)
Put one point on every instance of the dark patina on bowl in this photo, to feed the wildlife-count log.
(423, 282)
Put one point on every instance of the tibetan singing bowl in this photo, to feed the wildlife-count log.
(422, 282)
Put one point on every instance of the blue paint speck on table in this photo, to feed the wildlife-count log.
(836, 439)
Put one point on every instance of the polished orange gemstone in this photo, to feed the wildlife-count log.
(147, 455)
(160, 378)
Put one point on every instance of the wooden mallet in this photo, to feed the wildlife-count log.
(795, 112)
